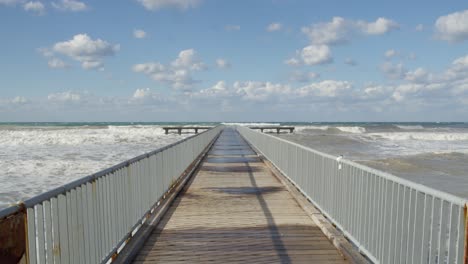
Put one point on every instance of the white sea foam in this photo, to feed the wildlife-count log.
(34, 160)
(304, 129)
(426, 136)
(352, 129)
(409, 127)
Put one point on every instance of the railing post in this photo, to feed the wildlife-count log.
(465, 214)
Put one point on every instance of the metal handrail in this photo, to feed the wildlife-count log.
(90, 219)
(390, 219)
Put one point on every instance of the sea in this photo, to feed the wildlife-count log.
(37, 157)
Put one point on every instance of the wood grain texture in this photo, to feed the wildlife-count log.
(235, 211)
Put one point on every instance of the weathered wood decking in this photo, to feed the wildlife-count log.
(235, 211)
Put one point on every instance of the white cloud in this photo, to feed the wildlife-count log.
(340, 30)
(232, 27)
(419, 27)
(417, 76)
(223, 64)
(220, 89)
(380, 26)
(188, 59)
(328, 33)
(260, 91)
(142, 93)
(56, 63)
(19, 100)
(146, 96)
(178, 73)
(34, 6)
(316, 54)
(326, 88)
(453, 27)
(70, 5)
(293, 62)
(391, 53)
(350, 62)
(274, 27)
(90, 53)
(159, 4)
(65, 97)
(138, 33)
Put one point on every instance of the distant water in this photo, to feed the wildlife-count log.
(434, 154)
(37, 157)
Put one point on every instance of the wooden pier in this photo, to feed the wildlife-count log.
(234, 210)
(277, 128)
(179, 129)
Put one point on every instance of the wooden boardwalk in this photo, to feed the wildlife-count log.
(235, 211)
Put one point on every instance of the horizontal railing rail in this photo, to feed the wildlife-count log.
(390, 219)
(91, 219)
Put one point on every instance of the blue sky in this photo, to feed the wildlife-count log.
(210, 60)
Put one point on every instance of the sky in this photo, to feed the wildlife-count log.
(213, 60)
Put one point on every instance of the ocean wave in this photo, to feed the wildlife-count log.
(80, 136)
(410, 127)
(400, 136)
(304, 128)
(352, 129)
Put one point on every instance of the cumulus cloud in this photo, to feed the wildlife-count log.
(316, 54)
(223, 64)
(70, 5)
(329, 33)
(340, 30)
(19, 100)
(260, 91)
(419, 27)
(220, 89)
(56, 63)
(65, 97)
(34, 6)
(178, 74)
(380, 26)
(90, 53)
(326, 88)
(417, 76)
(390, 53)
(453, 27)
(139, 33)
(232, 27)
(159, 4)
(146, 96)
(293, 62)
(274, 27)
(311, 55)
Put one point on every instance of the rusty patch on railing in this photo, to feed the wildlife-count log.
(13, 237)
(465, 213)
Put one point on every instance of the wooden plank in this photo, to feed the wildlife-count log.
(234, 210)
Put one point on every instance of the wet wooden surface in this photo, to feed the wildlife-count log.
(235, 211)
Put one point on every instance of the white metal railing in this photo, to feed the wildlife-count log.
(89, 220)
(390, 219)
